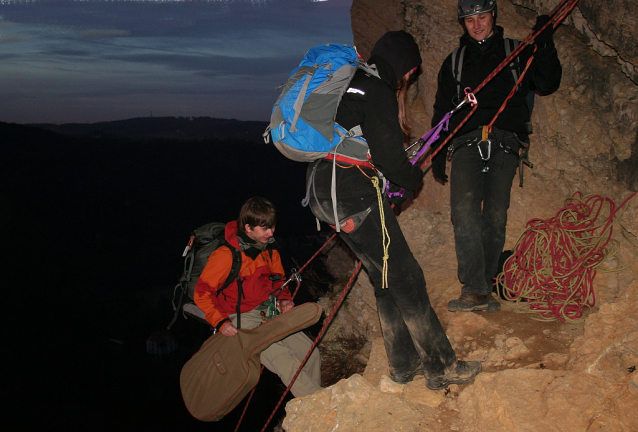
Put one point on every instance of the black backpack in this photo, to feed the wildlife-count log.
(203, 242)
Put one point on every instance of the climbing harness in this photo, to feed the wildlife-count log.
(487, 129)
(551, 271)
(379, 183)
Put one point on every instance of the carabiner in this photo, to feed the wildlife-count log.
(470, 96)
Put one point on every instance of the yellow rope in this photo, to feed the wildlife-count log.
(385, 237)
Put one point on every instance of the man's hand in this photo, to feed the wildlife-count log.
(546, 36)
(286, 305)
(441, 178)
(228, 329)
(397, 200)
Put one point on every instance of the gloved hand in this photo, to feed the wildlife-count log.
(438, 167)
(397, 200)
(546, 36)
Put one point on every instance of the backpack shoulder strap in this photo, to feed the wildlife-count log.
(457, 66)
(510, 44)
(370, 70)
(234, 269)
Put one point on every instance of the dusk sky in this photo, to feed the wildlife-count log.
(86, 61)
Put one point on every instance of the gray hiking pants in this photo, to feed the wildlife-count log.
(285, 356)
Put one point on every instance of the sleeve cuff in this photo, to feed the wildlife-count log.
(220, 324)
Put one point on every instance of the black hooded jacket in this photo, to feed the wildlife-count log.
(372, 103)
(543, 77)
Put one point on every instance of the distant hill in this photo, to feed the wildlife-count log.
(175, 128)
(128, 205)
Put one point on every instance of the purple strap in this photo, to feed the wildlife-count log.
(428, 139)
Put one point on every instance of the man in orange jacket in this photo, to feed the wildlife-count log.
(247, 299)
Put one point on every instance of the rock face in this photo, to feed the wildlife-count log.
(554, 376)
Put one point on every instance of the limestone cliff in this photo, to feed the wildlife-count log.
(537, 375)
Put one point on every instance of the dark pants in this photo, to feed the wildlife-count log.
(479, 202)
(412, 333)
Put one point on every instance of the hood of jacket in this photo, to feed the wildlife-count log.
(399, 50)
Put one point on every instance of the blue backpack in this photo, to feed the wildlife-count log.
(302, 125)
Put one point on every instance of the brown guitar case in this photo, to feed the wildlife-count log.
(226, 368)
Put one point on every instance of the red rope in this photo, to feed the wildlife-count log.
(325, 326)
(252, 392)
(308, 262)
(557, 15)
(554, 261)
(512, 92)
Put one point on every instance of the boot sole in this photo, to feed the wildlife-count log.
(434, 384)
(487, 307)
(408, 378)
(447, 383)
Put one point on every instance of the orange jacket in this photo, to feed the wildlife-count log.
(254, 274)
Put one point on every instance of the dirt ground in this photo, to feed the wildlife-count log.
(540, 337)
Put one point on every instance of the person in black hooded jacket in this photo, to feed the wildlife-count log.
(414, 339)
(483, 170)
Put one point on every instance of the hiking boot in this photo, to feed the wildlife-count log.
(464, 373)
(469, 302)
(404, 378)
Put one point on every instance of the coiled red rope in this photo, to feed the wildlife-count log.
(554, 261)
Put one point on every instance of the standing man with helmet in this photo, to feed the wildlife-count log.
(483, 166)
